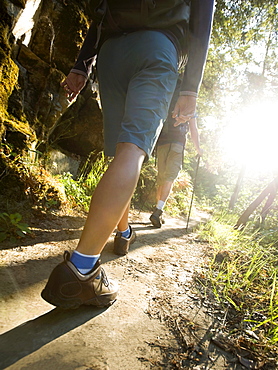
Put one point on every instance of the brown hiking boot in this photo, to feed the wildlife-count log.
(156, 218)
(121, 244)
(68, 288)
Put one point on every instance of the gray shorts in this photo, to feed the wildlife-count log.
(169, 162)
(137, 75)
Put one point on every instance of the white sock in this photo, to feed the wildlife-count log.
(160, 204)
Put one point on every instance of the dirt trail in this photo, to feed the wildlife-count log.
(156, 323)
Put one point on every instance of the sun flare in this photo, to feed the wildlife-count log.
(251, 137)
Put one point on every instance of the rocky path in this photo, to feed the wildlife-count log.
(156, 323)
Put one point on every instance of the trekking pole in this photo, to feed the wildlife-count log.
(193, 191)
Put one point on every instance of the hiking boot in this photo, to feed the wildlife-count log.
(156, 218)
(121, 244)
(68, 288)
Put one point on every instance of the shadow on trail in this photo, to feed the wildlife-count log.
(19, 276)
(49, 230)
(34, 334)
(153, 238)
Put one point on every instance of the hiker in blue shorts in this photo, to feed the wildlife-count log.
(140, 46)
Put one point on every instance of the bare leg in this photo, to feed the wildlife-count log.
(162, 194)
(111, 198)
(123, 224)
(158, 193)
(165, 190)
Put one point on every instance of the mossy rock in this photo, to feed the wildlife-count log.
(67, 45)
(9, 76)
(9, 72)
(29, 185)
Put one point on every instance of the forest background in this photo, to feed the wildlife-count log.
(51, 151)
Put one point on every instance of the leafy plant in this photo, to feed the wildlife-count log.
(75, 191)
(12, 227)
(80, 191)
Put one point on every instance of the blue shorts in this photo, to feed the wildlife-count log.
(137, 74)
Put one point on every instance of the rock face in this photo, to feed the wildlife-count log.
(35, 55)
(39, 42)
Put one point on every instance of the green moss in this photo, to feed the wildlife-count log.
(22, 126)
(8, 78)
(4, 37)
(30, 185)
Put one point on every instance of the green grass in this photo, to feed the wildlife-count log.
(79, 192)
(242, 274)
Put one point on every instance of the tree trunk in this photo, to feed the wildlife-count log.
(234, 196)
(270, 189)
(269, 202)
